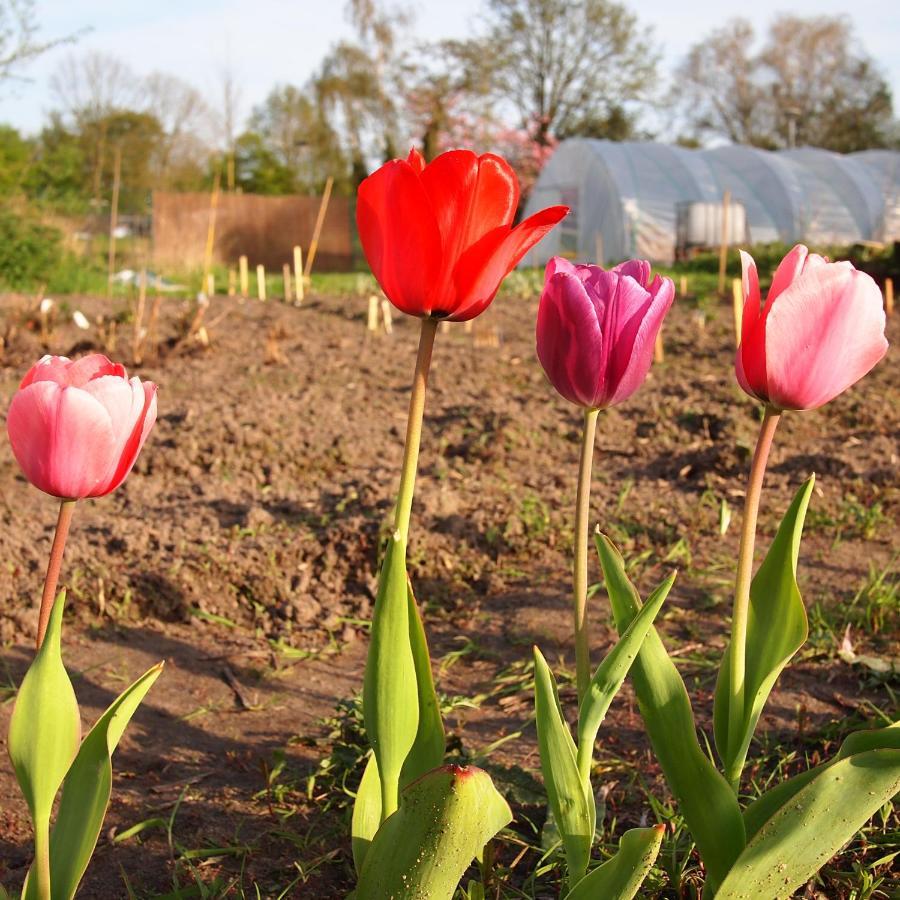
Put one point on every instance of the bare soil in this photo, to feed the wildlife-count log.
(244, 548)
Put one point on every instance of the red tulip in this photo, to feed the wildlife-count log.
(820, 331)
(76, 428)
(596, 329)
(439, 238)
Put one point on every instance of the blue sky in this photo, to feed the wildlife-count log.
(271, 41)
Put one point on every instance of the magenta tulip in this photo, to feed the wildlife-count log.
(76, 428)
(820, 331)
(596, 329)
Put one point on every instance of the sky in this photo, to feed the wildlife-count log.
(283, 41)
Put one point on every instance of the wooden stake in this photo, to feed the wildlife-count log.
(298, 274)
(317, 231)
(245, 277)
(211, 225)
(682, 286)
(889, 296)
(372, 322)
(261, 281)
(232, 279)
(386, 316)
(286, 275)
(137, 339)
(737, 305)
(114, 219)
(659, 353)
(467, 326)
(210, 284)
(723, 246)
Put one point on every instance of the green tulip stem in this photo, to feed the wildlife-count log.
(66, 508)
(738, 649)
(580, 570)
(42, 858)
(414, 427)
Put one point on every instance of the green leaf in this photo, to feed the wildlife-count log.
(366, 813)
(45, 727)
(86, 793)
(427, 750)
(611, 673)
(390, 695)
(808, 830)
(570, 796)
(776, 630)
(621, 877)
(704, 797)
(422, 850)
(763, 808)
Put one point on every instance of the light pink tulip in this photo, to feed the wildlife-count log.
(596, 329)
(76, 428)
(820, 330)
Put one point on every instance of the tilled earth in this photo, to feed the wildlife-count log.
(244, 549)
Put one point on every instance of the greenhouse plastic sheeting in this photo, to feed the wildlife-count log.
(624, 196)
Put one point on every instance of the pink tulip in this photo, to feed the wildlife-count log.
(596, 329)
(76, 428)
(820, 331)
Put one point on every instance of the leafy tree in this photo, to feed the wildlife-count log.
(561, 62)
(19, 42)
(257, 168)
(15, 158)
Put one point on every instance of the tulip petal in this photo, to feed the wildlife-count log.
(483, 267)
(399, 235)
(144, 421)
(560, 264)
(824, 334)
(569, 340)
(641, 318)
(638, 269)
(62, 438)
(788, 270)
(750, 360)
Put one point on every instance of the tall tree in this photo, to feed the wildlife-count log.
(809, 83)
(19, 41)
(559, 61)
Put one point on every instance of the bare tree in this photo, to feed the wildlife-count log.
(808, 84)
(19, 42)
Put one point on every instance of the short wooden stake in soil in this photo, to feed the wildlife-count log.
(737, 308)
(386, 319)
(261, 281)
(286, 277)
(467, 327)
(211, 285)
(317, 230)
(298, 274)
(137, 339)
(232, 278)
(682, 286)
(889, 296)
(372, 321)
(723, 246)
(114, 219)
(659, 353)
(245, 277)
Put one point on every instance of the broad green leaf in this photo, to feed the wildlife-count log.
(45, 727)
(621, 877)
(704, 797)
(390, 696)
(422, 850)
(776, 630)
(86, 792)
(366, 813)
(570, 796)
(427, 752)
(762, 809)
(611, 673)
(807, 831)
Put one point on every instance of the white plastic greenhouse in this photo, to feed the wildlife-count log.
(625, 197)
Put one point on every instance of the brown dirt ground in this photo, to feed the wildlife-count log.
(251, 527)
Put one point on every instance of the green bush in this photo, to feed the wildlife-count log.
(29, 250)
